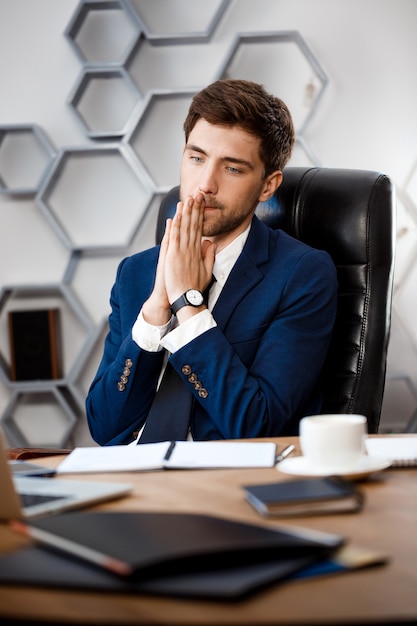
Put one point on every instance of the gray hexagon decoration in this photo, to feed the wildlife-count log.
(80, 377)
(103, 32)
(50, 405)
(296, 76)
(406, 248)
(410, 187)
(25, 156)
(103, 101)
(95, 197)
(73, 320)
(182, 21)
(400, 405)
(98, 200)
(84, 264)
(157, 138)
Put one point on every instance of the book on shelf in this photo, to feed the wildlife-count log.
(307, 496)
(400, 449)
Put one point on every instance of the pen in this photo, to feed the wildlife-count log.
(286, 451)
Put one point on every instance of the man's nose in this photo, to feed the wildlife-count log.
(208, 181)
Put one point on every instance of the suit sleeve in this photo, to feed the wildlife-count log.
(124, 385)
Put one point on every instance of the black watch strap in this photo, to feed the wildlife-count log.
(192, 297)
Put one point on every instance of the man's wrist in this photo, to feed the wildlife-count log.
(156, 315)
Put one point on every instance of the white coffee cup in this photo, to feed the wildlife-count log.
(333, 443)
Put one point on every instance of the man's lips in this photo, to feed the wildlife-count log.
(211, 204)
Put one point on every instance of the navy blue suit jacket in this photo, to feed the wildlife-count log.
(260, 365)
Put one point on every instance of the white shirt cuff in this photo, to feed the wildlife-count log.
(187, 331)
(147, 336)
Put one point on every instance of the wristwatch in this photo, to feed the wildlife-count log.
(192, 297)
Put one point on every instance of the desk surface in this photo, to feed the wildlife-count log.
(385, 594)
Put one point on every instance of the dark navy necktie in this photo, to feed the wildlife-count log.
(169, 415)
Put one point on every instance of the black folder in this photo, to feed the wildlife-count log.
(176, 554)
(40, 566)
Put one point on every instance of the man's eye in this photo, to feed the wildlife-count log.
(197, 159)
(233, 170)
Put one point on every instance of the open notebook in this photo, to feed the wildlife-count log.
(24, 497)
(400, 449)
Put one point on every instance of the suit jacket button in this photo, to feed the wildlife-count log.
(192, 378)
(121, 386)
(129, 363)
(186, 369)
(203, 393)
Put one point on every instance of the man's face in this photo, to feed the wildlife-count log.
(224, 165)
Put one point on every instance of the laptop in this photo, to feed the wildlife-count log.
(28, 497)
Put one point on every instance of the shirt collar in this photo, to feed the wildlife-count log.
(226, 259)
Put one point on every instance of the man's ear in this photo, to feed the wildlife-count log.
(271, 184)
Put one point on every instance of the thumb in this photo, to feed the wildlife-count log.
(208, 252)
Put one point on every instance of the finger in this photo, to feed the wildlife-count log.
(208, 253)
(200, 204)
(186, 223)
(176, 225)
(196, 217)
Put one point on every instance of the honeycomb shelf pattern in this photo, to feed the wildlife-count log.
(105, 185)
(133, 156)
(103, 32)
(25, 156)
(103, 102)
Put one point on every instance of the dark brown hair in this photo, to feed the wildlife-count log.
(248, 105)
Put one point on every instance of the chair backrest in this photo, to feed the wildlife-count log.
(351, 215)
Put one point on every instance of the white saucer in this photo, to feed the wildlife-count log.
(299, 466)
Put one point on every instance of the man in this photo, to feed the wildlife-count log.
(250, 359)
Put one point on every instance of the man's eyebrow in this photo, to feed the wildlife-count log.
(193, 148)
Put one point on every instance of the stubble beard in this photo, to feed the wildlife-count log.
(221, 225)
(224, 221)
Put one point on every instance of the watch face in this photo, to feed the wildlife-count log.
(194, 297)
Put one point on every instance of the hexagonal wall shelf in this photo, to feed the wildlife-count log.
(295, 76)
(25, 155)
(158, 138)
(406, 248)
(95, 197)
(51, 407)
(411, 187)
(182, 21)
(80, 377)
(302, 154)
(101, 200)
(103, 101)
(103, 32)
(399, 409)
(74, 324)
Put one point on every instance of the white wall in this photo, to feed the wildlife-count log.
(365, 119)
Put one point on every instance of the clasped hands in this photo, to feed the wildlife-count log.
(185, 262)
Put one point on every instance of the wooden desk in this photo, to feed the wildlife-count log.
(384, 595)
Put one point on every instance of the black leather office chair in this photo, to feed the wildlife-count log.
(351, 214)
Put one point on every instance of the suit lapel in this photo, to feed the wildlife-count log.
(246, 272)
